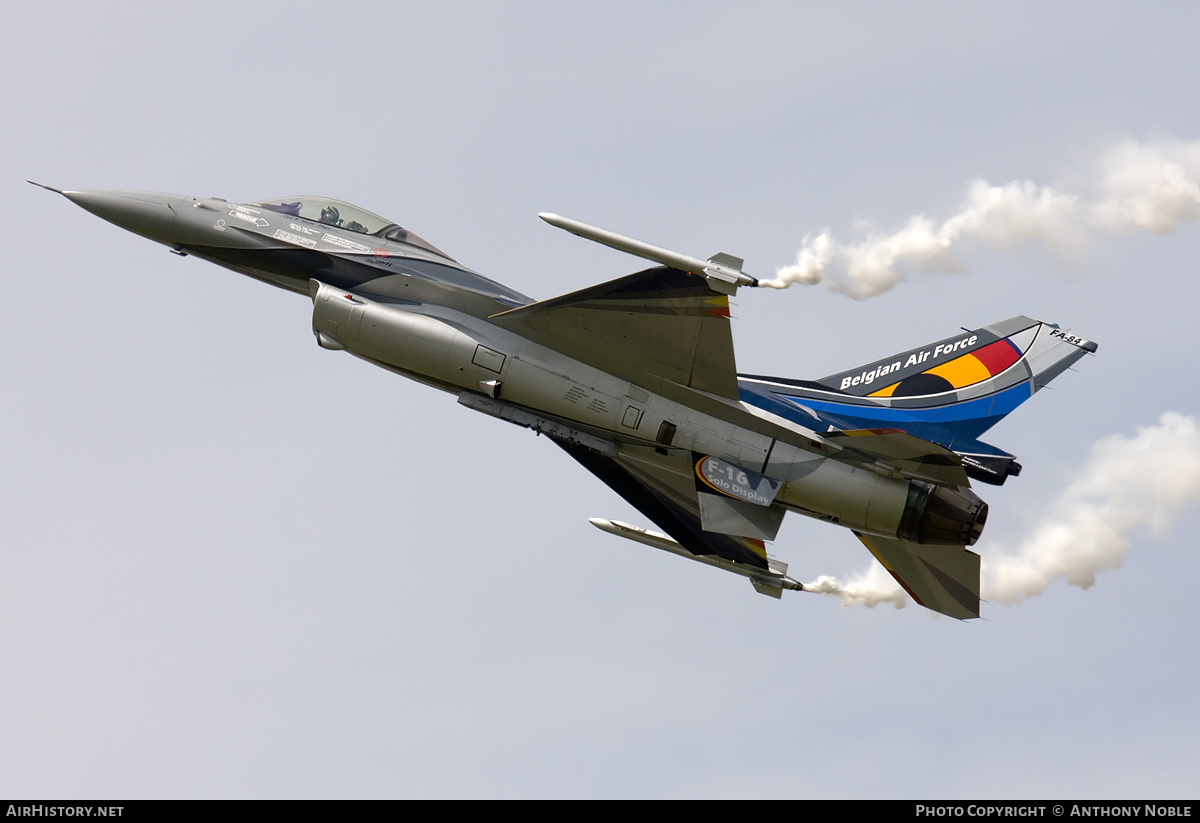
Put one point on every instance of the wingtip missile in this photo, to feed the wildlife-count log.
(724, 271)
(771, 583)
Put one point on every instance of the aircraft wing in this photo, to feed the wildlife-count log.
(669, 499)
(942, 578)
(663, 322)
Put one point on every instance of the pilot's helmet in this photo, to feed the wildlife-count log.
(331, 216)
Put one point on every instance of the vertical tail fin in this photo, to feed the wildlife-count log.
(971, 364)
(950, 390)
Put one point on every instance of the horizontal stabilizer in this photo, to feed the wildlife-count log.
(942, 578)
(913, 457)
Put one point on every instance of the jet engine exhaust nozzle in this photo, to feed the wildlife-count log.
(937, 515)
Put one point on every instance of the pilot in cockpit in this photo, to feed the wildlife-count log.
(330, 216)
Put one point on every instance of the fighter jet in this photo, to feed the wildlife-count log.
(636, 380)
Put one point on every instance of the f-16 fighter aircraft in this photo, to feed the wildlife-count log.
(635, 379)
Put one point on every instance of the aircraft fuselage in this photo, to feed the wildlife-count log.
(679, 441)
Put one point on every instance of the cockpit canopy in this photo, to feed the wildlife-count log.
(348, 217)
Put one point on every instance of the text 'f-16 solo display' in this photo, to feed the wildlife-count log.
(635, 379)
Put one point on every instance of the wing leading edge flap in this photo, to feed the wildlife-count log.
(942, 578)
(660, 321)
(672, 506)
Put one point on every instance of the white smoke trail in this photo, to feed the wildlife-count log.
(871, 588)
(1149, 186)
(1128, 484)
(1142, 482)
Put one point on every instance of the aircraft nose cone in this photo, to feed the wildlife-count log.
(149, 214)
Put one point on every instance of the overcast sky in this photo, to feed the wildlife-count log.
(236, 565)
